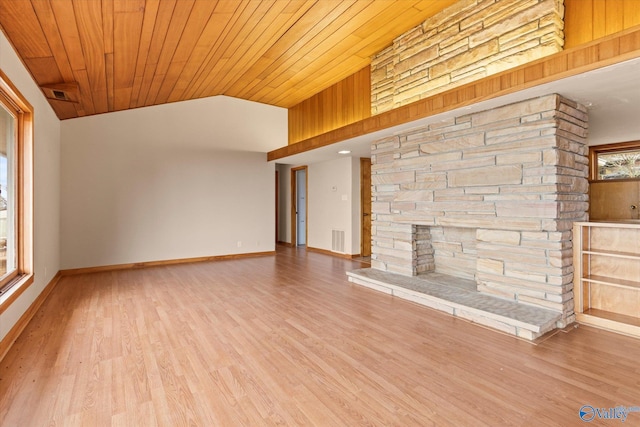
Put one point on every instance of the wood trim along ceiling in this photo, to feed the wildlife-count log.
(601, 53)
(133, 53)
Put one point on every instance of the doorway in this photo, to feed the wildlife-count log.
(299, 206)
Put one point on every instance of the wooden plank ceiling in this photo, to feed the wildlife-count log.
(111, 55)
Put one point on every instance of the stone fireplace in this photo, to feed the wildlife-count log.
(447, 250)
(488, 197)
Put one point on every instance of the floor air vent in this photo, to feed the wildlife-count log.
(337, 241)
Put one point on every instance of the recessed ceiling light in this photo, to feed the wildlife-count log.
(344, 151)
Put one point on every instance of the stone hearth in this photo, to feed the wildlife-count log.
(459, 298)
(489, 197)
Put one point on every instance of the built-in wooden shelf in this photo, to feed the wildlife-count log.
(604, 280)
(607, 275)
(613, 254)
(628, 325)
(615, 317)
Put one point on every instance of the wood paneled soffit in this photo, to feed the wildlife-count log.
(588, 20)
(601, 53)
(341, 104)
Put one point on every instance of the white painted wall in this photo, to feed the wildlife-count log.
(327, 209)
(175, 181)
(334, 203)
(46, 186)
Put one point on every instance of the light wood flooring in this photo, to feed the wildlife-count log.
(287, 340)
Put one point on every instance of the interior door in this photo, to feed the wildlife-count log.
(614, 200)
(365, 206)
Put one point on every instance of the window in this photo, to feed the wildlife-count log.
(615, 161)
(7, 191)
(15, 193)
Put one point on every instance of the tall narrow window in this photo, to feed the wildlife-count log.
(16, 195)
(8, 139)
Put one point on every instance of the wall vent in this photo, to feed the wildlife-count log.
(60, 95)
(337, 241)
(68, 92)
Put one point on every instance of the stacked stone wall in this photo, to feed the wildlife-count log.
(465, 42)
(515, 177)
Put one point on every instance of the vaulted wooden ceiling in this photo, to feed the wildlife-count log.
(109, 55)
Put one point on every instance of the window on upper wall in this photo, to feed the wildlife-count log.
(615, 161)
(15, 193)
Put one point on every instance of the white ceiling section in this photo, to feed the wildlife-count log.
(611, 94)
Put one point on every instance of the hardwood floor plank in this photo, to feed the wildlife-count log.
(287, 340)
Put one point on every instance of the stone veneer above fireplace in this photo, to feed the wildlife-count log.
(467, 41)
(490, 196)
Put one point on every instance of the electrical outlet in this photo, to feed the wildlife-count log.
(239, 244)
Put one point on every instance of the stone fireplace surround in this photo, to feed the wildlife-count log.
(488, 198)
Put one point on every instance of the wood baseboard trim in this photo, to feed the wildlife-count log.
(287, 244)
(15, 291)
(336, 254)
(146, 264)
(24, 320)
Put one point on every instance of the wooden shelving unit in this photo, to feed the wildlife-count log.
(607, 275)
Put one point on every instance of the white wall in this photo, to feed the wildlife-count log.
(327, 210)
(46, 186)
(175, 181)
(334, 203)
(356, 208)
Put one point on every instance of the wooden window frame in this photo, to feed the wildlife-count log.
(607, 149)
(24, 274)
